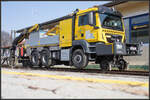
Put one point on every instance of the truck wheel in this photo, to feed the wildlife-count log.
(3, 60)
(24, 63)
(45, 58)
(122, 65)
(35, 59)
(79, 59)
(11, 61)
(105, 65)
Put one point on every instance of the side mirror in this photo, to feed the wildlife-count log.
(90, 18)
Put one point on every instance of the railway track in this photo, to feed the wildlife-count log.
(128, 72)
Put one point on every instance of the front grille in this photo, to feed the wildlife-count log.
(113, 38)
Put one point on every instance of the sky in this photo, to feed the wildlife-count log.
(20, 14)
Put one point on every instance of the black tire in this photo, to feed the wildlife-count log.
(46, 58)
(122, 65)
(10, 61)
(79, 59)
(3, 60)
(26, 63)
(35, 59)
(105, 65)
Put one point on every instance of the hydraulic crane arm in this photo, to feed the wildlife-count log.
(36, 26)
(56, 29)
(20, 38)
(23, 35)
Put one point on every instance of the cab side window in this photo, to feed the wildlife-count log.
(83, 20)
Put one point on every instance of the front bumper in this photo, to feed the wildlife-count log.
(118, 48)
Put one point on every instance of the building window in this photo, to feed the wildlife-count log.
(126, 25)
(139, 29)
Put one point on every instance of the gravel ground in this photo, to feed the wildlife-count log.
(21, 86)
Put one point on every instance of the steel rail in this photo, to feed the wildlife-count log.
(126, 72)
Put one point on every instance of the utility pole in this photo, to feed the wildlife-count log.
(14, 34)
(11, 35)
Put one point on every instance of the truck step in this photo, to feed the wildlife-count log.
(92, 52)
(92, 46)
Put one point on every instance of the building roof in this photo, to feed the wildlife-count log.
(114, 2)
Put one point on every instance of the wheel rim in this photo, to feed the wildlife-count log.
(43, 59)
(33, 59)
(121, 65)
(104, 65)
(78, 58)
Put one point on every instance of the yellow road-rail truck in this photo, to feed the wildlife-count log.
(94, 34)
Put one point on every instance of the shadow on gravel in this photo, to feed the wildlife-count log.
(36, 88)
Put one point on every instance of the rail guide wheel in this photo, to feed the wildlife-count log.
(122, 65)
(105, 65)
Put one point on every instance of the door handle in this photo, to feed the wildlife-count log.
(82, 34)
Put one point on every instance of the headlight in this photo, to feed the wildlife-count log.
(119, 46)
(132, 48)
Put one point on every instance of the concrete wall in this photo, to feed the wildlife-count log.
(139, 60)
(132, 8)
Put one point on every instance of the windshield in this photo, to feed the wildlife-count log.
(111, 21)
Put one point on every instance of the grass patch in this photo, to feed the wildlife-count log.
(94, 66)
(130, 67)
(139, 67)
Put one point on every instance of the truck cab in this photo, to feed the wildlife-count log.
(103, 33)
(98, 24)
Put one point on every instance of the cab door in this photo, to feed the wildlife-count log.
(84, 30)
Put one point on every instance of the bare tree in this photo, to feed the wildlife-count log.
(5, 39)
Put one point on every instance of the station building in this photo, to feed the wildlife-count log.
(136, 21)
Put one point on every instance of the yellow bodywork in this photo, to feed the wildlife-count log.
(84, 32)
(65, 36)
